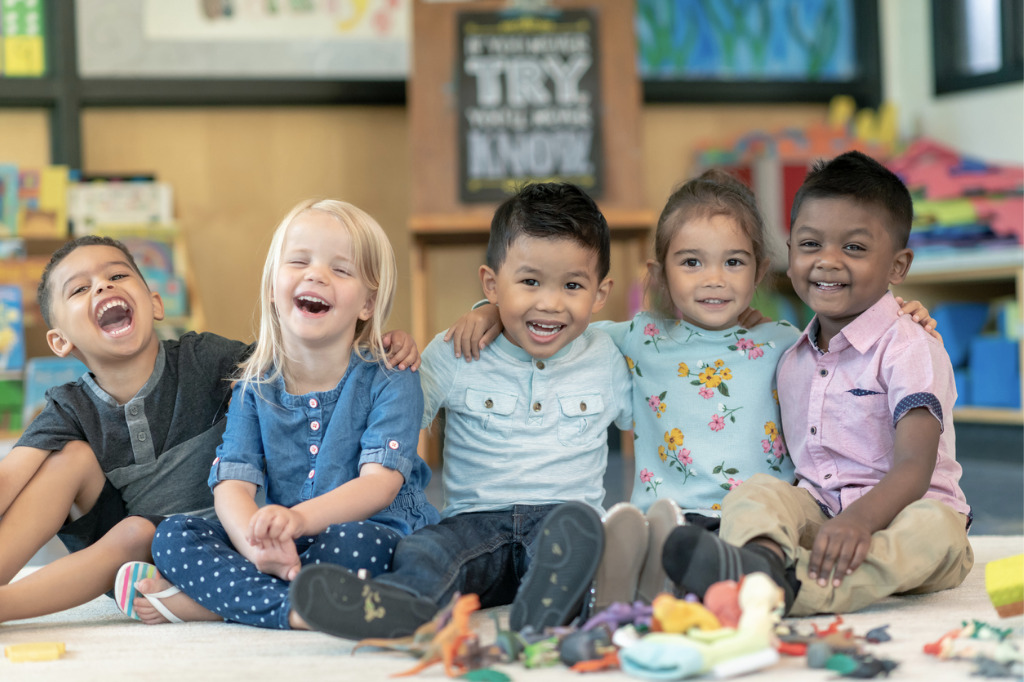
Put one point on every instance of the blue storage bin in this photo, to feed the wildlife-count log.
(995, 372)
(959, 323)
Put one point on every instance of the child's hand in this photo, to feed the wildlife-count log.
(918, 313)
(402, 350)
(274, 523)
(475, 330)
(751, 318)
(842, 544)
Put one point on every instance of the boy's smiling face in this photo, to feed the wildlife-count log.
(842, 259)
(546, 292)
(100, 306)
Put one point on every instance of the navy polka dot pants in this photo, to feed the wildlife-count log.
(197, 556)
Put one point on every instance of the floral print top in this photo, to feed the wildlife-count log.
(705, 408)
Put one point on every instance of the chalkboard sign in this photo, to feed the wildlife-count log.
(529, 102)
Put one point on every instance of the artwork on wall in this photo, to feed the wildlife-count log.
(210, 39)
(757, 50)
(687, 50)
(529, 102)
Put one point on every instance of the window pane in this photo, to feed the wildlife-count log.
(981, 46)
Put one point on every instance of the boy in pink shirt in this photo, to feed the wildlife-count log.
(867, 399)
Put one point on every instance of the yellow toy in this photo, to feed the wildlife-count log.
(34, 651)
(1004, 582)
(678, 616)
(725, 651)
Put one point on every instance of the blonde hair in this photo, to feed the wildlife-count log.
(374, 262)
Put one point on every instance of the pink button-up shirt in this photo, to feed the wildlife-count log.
(840, 408)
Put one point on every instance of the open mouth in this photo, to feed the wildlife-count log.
(712, 301)
(829, 286)
(114, 317)
(313, 305)
(544, 330)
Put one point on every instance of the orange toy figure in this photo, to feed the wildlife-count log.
(723, 600)
(449, 640)
(609, 661)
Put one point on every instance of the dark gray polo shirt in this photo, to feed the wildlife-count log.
(157, 448)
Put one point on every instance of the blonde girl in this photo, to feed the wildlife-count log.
(319, 422)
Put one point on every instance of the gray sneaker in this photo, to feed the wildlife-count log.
(662, 518)
(568, 548)
(625, 546)
(334, 600)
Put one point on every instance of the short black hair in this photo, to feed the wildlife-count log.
(550, 210)
(43, 292)
(857, 176)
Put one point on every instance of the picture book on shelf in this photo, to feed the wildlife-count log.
(43, 373)
(12, 329)
(96, 204)
(43, 202)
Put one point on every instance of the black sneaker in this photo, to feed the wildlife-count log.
(336, 601)
(568, 550)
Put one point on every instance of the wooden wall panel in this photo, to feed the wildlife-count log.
(236, 172)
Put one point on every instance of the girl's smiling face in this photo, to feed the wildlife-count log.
(711, 272)
(318, 293)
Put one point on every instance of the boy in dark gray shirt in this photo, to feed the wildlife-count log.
(114, 451)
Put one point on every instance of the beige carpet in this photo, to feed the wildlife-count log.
(103, 645)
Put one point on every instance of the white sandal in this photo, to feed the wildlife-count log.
(125, 590)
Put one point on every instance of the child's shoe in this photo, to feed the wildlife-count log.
(625, 546)
(695, 559)
(663, 517)
(336, 601)
(569, 547)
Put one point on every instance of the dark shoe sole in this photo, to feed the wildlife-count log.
(568, 550)
(334, 600)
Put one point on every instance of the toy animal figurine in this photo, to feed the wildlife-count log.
(442, 640)
(585, 645)
(749, 647)
(679, 616)
(620, 613)
(723, 600)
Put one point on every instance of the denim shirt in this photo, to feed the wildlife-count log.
(519, 430)
(294, 448)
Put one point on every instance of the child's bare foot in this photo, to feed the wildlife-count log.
(279, 559)
(178, 603)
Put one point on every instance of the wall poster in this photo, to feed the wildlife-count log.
(529, 102)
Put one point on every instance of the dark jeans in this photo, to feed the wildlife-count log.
(485, 553)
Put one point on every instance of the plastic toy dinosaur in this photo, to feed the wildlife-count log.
(449, 640)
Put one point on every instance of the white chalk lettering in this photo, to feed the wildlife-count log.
(534, 153)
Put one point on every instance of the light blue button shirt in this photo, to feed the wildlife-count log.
(524, 431)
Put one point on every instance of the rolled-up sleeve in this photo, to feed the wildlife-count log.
(393, 424)
(241, 455)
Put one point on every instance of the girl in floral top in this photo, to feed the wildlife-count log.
(704, 402)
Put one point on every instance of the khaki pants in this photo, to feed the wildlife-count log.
(924, 549)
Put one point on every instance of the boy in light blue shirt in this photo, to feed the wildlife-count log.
(525, 440)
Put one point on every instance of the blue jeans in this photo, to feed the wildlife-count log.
(197, 556)
(485, 553)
